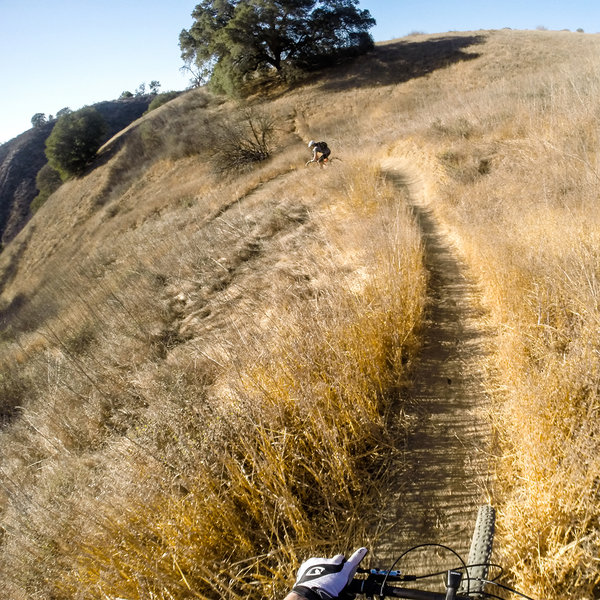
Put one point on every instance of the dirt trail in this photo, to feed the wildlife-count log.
(444, 471)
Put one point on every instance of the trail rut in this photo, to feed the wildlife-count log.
(443, 473)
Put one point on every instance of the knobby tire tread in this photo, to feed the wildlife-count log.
(481, 551)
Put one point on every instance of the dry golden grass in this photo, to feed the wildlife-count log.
(206, 400)
(519, 194)
(197, 369)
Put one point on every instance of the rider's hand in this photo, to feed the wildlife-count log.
(326, 578)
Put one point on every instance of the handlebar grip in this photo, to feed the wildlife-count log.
(359, 586)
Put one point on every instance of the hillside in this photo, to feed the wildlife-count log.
(22, 157)
(20, 161)
(211, 371)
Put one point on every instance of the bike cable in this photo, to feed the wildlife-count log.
(413, 577)
(508, 589)
(490, 565)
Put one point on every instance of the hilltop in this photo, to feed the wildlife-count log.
(211, 369)
(22, 157)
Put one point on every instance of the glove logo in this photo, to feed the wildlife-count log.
(314, 572)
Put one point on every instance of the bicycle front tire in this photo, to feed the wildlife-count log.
(480, 553)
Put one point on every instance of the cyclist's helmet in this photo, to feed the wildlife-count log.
(312, 143)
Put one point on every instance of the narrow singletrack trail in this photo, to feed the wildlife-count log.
(443, 472)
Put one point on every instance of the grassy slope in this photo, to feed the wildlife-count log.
(519, 192)
(155, 308)
(228, 344)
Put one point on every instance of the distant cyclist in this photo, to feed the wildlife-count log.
(319, 148)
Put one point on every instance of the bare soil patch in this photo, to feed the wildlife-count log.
(443, 471)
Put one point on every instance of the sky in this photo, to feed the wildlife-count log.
(71, 53)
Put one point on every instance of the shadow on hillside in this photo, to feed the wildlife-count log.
(397, 62)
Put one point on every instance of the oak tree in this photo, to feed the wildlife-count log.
(38, 120)
(231, 39)
(74, 141)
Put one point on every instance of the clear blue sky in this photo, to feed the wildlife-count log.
(69, 53)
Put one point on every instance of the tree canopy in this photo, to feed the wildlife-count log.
(74, 141)
(38, 120)
(233, 38)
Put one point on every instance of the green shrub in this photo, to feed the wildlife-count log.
(47, 181)
(74, 141)
(161, 99)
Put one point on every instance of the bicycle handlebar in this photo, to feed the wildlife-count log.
(370, 587)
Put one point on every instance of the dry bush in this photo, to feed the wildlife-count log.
(238, 144)
(13, 390)
(231, 139)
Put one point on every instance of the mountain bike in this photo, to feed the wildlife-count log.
(324, 162)
(466, 581)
